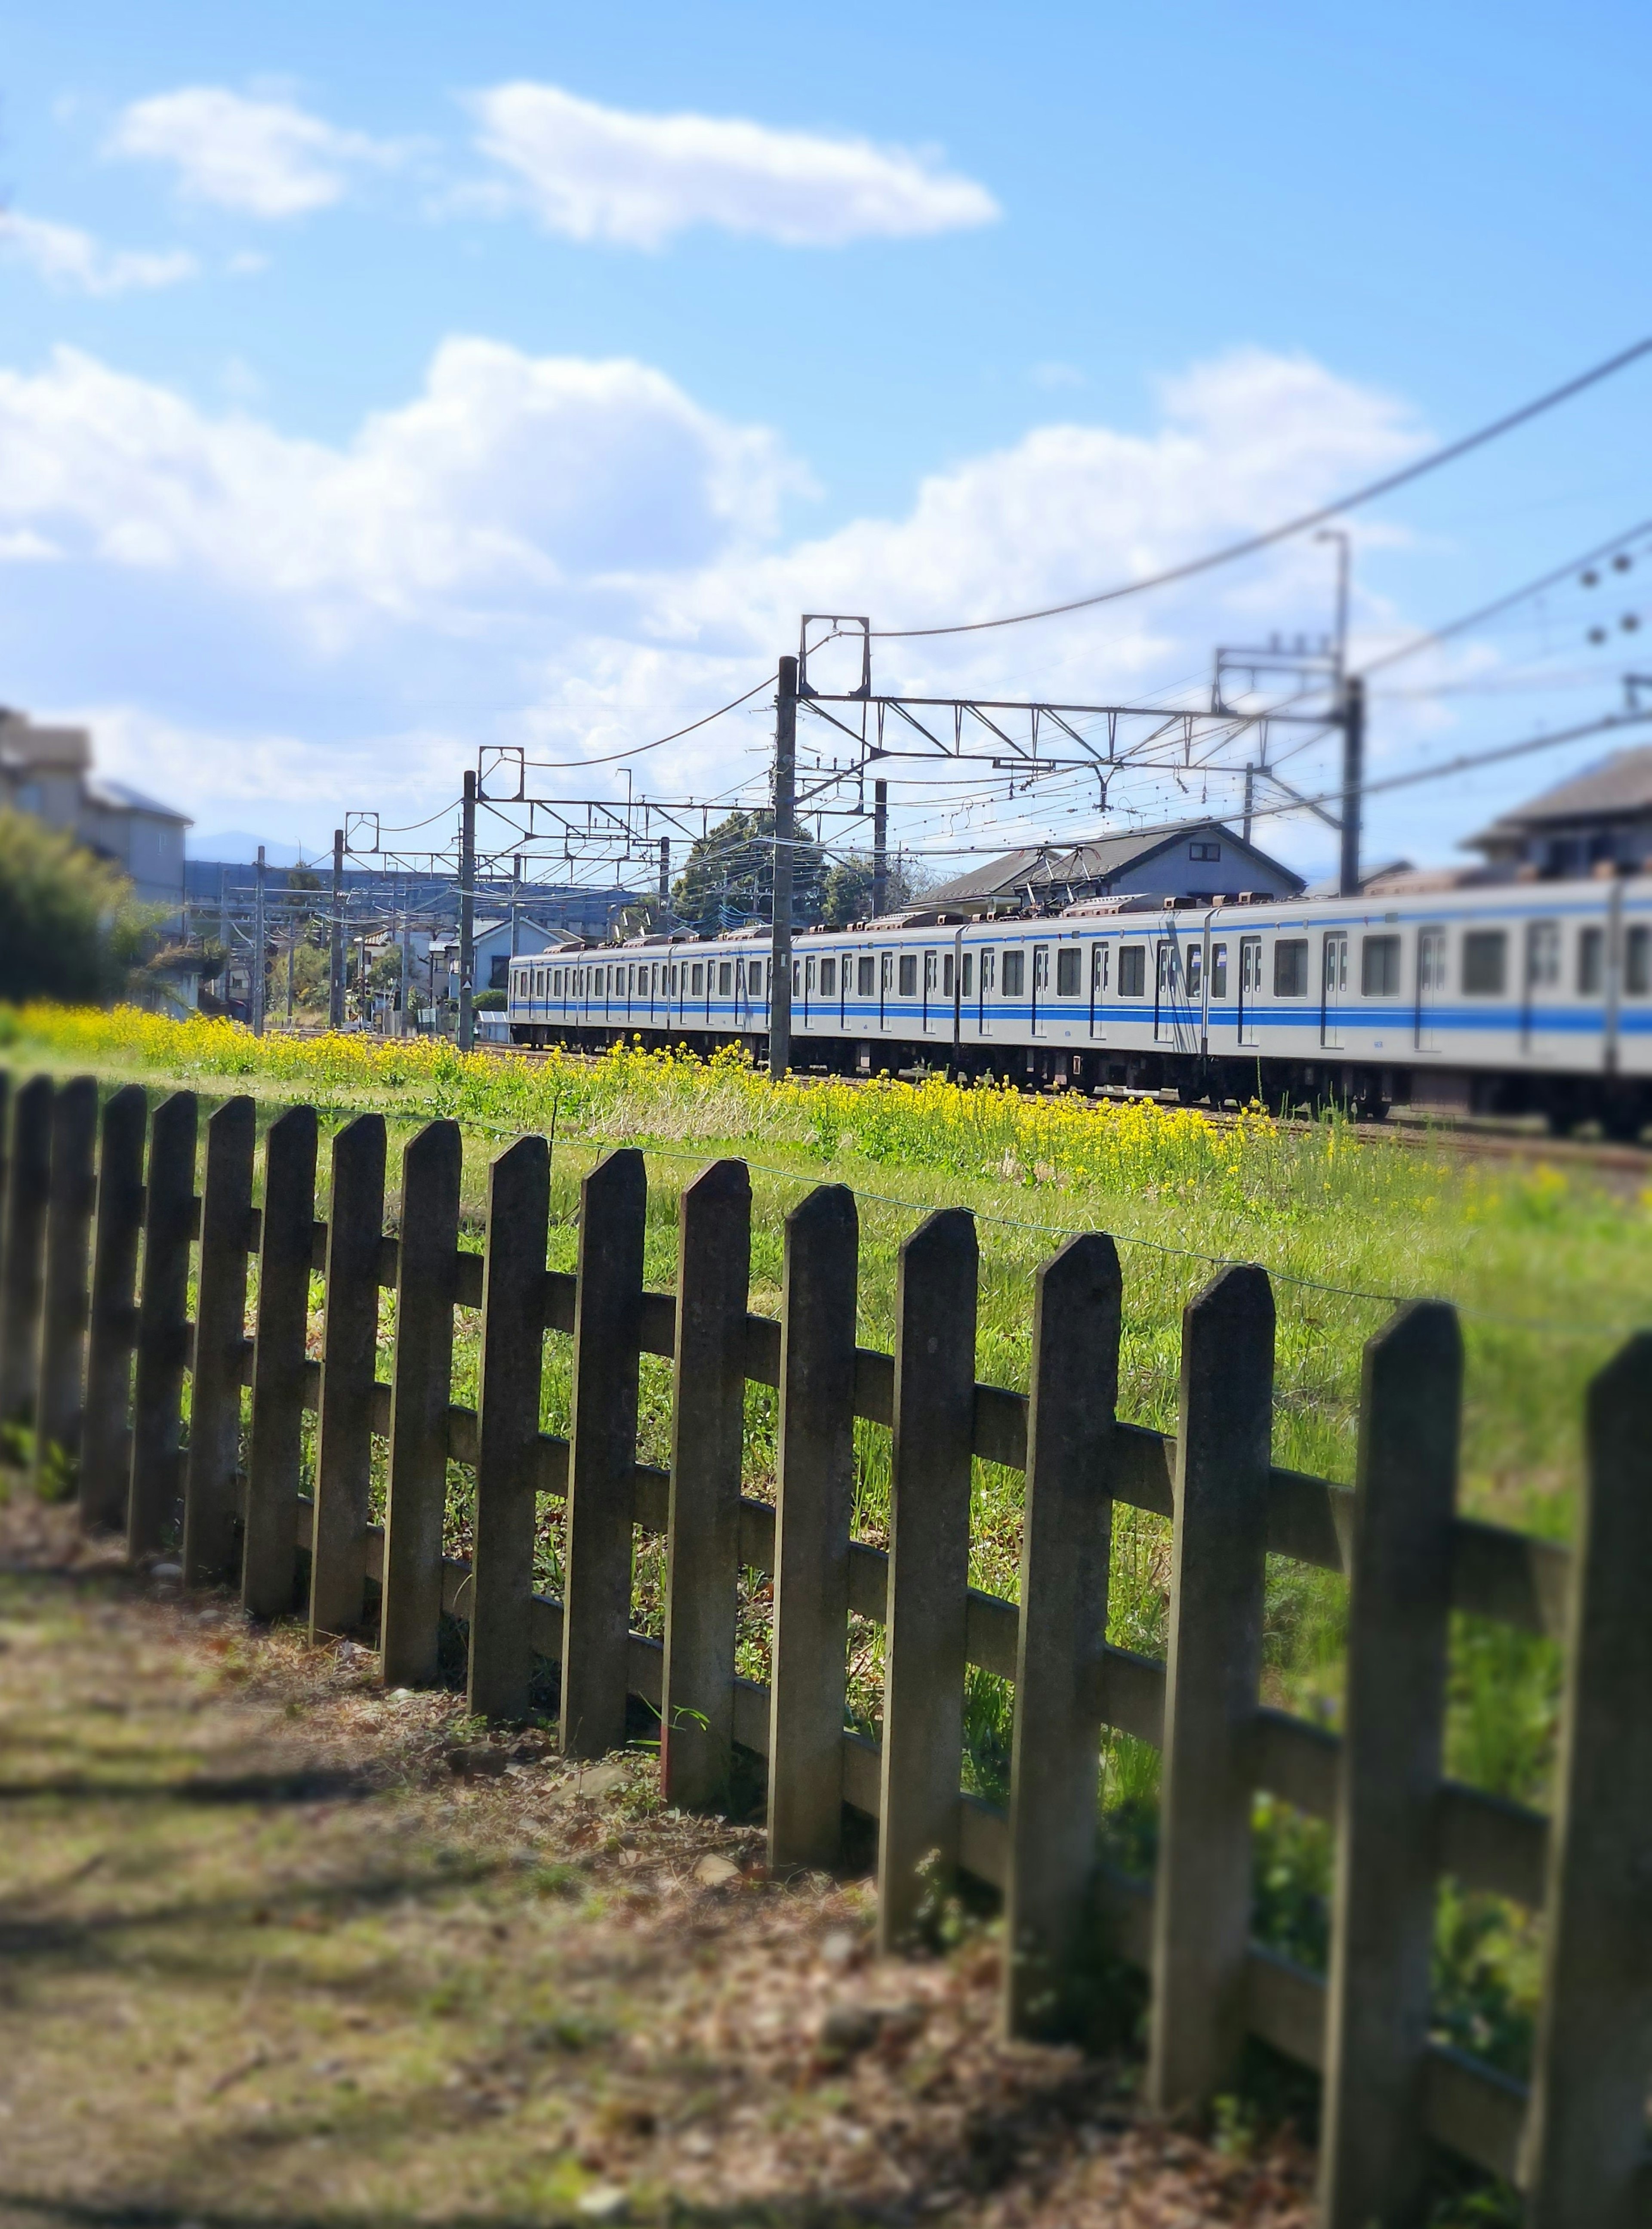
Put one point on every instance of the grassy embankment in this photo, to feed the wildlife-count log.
(1549, 1269)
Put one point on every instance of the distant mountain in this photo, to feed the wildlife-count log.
(238, 849)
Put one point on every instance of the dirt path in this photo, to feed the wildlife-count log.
(276, 1948)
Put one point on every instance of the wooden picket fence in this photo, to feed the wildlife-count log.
(105, 1236)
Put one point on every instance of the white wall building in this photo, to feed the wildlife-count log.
(48, 771)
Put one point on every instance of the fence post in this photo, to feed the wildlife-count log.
(421, 1380)
(1585, 2136)
(1202, 1907)
(163, 1325)
(349, 1367)
(69, 1236)
(275, 1456)
(602, 1455)
(105, 1438)
(707, 1437)
(513, 1349)
(211, 1491)
(1066, 1534)
(929, 1567)
(27, 1190)
(1373, 2153)
(814, 1509)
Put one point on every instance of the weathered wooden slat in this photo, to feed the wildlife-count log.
(343, 1388)
(410, 1616)
(269, 1570)
(1593, 2061)
(602, 1443)
(933, 1416)
(163, 1325)
(1374, 2156)
(513, 1345)
(708, 1434)
(808, 1546)
(106, 1442)
(1477, 2112)
(29, 1181)
(211, 1491)
(1203, 1885)
(64, 1307)
(1066, 1534)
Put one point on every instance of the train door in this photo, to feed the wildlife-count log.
(1250, 993)
(1430, 986)
(989, 985)
(937, 1018)
(1040, 990)
(886, 989)
(1100, 984)
(1173, 1019)
(1334, 985)
(1541, 1033)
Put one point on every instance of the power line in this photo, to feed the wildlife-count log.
(635, 750)
(1452, 451)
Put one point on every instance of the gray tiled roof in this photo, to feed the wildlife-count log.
(1621, 784)
(1101, 860)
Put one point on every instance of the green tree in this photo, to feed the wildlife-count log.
(846, 889)
(70, 927)
(729, 876)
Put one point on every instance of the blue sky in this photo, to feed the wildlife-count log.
(382, 381)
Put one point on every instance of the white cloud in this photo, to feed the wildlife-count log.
(72, 261)
(592, 173)
(266, 158)
(578, 555)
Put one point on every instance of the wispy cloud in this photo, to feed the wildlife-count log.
(265, 159)
(592, 173)
(72, 260)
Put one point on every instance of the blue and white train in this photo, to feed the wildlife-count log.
(1521, 997)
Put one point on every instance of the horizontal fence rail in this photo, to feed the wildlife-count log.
(98, 1350)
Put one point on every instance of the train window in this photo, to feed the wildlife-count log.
(1542, 955)
(909, 974)
(1015, 974)
(673, 982)
(932, 970)
(828, 979)
(1218, 971)
(797, 975)
(808, 972)
(1380, 967)
(863, 982)
(725, 978)
(1068, 963)
(1100, 961)
(754, 978)
(1637, 962)
(1195, 970)
(886, 971)
(946, 975)
(1041, 967)
(697, 979)
(1485, 962)
(1132, 970)
(1592, 953)
(1290, 968)
(968, 974)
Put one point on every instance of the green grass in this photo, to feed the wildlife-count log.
(1551, 1268)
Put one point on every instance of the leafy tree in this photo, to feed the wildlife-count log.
(728, 879)
(846, 891)
(70, 927)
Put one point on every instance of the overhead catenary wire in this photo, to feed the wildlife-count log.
(1251, 543)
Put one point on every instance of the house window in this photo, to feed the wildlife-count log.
(909, 974)
(1132, 970)
(1014, 974)
(1485, 962)
(864, 985)
(1069, 962)
(1380, 967)
(1204, 851)
(828, 979)
(1290, 968)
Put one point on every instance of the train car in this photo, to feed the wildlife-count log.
(1512, 997)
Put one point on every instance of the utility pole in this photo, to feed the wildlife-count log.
(879, 848)
(467, 915)
(407, 962)
(256, 985)
(1250, 802)
(665, 882)
(292, 955)
(516, 904)
(785, 790)
(335, 939)
(1352, 719)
